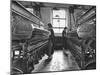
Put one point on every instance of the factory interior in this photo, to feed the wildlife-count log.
(52, 37)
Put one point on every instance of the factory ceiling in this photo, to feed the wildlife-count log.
(29, 4)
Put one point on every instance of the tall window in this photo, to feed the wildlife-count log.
(59, 20)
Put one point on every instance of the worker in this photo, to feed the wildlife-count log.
(64, 37)
(51, 42)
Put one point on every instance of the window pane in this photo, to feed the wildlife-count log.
(58, 23)
(61, 30)
(56, 30)
(58, 13)
(62, 23)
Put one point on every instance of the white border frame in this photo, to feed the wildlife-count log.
(5, 37)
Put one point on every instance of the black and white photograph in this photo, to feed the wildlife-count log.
(51, 37)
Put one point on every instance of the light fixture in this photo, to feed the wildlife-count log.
(57, 16)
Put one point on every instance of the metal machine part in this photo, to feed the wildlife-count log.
(29, 40)
(82, 41)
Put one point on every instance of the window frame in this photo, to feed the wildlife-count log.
(59, 19)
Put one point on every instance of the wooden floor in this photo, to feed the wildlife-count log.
(59, 62)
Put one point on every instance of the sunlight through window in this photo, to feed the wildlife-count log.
(59, 20)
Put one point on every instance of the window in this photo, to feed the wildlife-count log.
(59, 20)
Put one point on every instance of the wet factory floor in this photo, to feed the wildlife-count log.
(59, 62)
